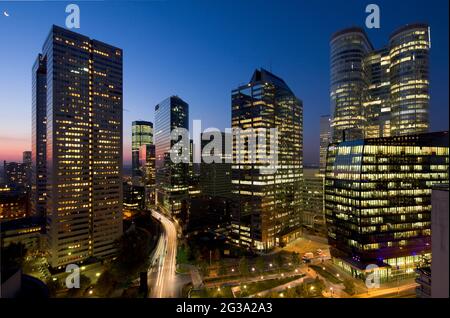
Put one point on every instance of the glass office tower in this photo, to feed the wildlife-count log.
(348, 83)
(147, 156)
(83, 147)
(141, 134)
(378, 201)
(172, 179)
(325, 139)
(380, 93)
(410, 96)
(377, 105)
(267, 210)
(38, 138)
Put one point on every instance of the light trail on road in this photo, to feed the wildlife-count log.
(165, 256)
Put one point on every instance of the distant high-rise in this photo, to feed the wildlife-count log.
(38, 137)
(267, 212)
(141, 134)
(313, 216)
(83, 90)
(325, 139)
(215, 178)
(171, 178)
(16, 174)
(147, 157)
(378, 201)
(26, 155)
(380, 93)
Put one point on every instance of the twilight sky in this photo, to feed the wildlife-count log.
(201, 50)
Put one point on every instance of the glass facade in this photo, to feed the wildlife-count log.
(38, 138)
(147, 156)
(215, 178)
(409, 54)
(141, 134)
(377, 106)
(83, 147)
(380, 93)
(267, 211)
(172, 179)
(325, 139)
(313, 216)
(378, 200)
(348, 83)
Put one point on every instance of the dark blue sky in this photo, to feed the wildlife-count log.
(201, 50)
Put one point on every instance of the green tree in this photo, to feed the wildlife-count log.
(134, 248)
(222, 268)
(319, 285)
(302, 290)
(243, 266)
(260, 264)
(295, 259)
(203, 266)
(279, 260)
(349, 287)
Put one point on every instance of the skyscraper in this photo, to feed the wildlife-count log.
(171, 178)
(325, 139)
(348, 83)
(147, 156)
(378, 201)
(141, 134)
(16, 174)
(26, 155)
(313, 216)
(38, 138)
(215, 178)
(267, 211)
(377, 104)
(379, 93)
(410, 96)
(83, 146)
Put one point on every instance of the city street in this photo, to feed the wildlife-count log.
(161, 276)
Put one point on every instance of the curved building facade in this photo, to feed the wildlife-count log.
(383, 92)
(348, 83)
(409, 54)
